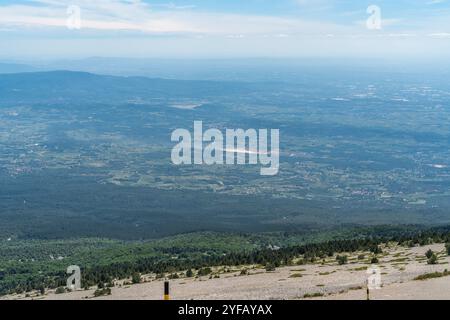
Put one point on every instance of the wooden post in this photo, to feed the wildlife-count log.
(368, 291)
(166, 290)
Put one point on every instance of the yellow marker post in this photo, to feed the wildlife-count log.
(166, 291)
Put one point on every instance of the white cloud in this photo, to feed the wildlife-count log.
(436, 2)
(141, 17)
(440, 35)
(100, 15)
(315, 4)
(189, 32)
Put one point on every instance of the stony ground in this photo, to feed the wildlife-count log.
(324, 280)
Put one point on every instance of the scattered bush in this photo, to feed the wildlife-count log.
(270, 267)
(433, 259)
(376, 250)
(102, 292)
(189, 273)
(313, 295)
(60, 290)
(296, 275)
(136, 278)
(204, 272)
(342, 259)
(433, 275)
(301, 262)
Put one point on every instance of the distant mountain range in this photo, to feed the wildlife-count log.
(65, 86)
(15, 68)
(250, 69)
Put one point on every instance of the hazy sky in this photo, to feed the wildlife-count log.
(38, 29)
